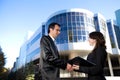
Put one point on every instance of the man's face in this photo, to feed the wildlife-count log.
(55, 32)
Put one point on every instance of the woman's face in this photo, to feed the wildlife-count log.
(92, 42)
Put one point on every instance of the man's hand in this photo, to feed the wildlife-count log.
(69, 67)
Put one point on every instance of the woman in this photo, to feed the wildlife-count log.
(98, 56)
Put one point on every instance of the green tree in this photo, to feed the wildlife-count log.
(2, 60)
(29, 69)
(3, 70)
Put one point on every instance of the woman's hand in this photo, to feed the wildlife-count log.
(75, 67)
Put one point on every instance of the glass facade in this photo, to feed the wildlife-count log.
(117, 13)
(96, 23)
(117, 33)
(43, 29)
(74, 26)
(112, 39)
(33, 41)
(100, 24)
(32, 54)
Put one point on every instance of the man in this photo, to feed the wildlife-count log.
(50, 61)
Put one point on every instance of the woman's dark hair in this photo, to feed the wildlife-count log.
(100, 40)
(52, 25)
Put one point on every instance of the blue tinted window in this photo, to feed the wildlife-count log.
(84, 38)
(81, 18)
(79, 32)
(33, 53)
(70, 39)
(79, 38)
(75, 38)
(77, 18)
(83, 32)
(74, 32)
(35, 39)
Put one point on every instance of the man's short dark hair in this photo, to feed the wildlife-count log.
(52, 25)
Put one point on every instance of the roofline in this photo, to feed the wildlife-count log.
(71, 10)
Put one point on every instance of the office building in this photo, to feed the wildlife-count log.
(117, 14)
(114, 33)
(76, 24)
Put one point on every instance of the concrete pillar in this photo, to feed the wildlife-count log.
(119, 59)
(72, 55)
(110, 65)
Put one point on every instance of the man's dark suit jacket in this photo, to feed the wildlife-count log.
(98, 56)
(50, 61)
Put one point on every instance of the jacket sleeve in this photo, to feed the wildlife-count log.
(49, 56)
(98, 68)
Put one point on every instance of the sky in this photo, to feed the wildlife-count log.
(17, 17)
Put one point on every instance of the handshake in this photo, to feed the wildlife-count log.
(75, 63)
(72, 67)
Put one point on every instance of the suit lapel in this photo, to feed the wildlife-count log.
(54, 47)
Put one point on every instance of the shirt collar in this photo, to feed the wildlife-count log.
(52, 38)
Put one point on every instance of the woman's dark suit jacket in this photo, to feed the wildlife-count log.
(50, 61)
(99, 58)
